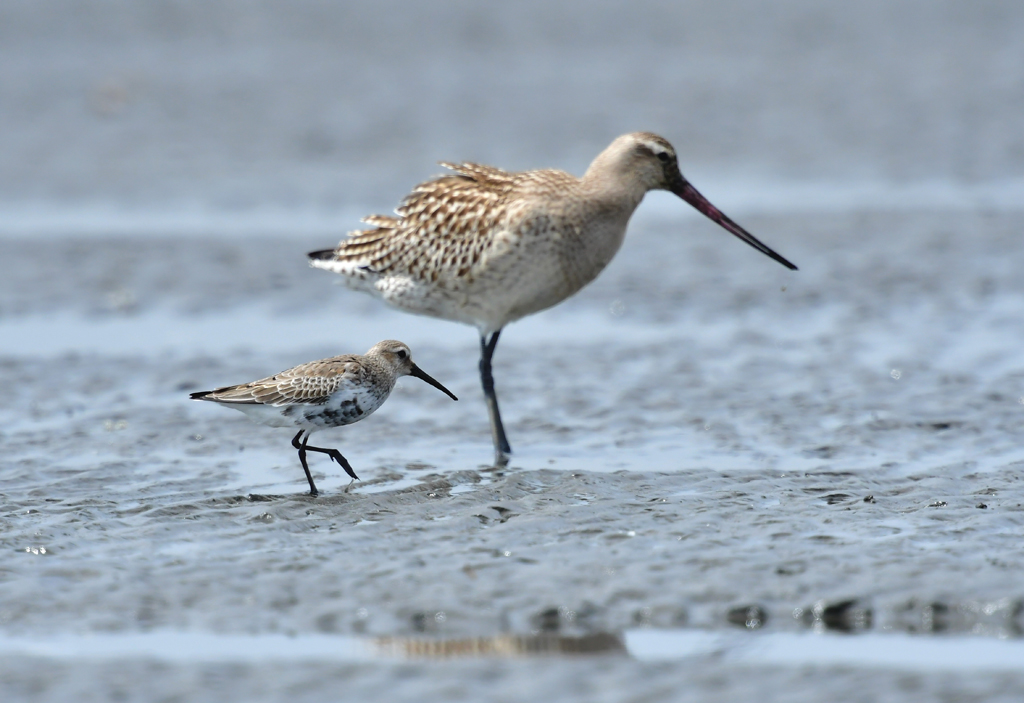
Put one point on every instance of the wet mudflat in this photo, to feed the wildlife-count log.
(730, 481)
(704, 444)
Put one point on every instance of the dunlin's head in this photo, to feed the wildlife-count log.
(397, 356)
(649, 161)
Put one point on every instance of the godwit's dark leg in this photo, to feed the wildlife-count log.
(334, 454)
(502, 450)
(302, 458)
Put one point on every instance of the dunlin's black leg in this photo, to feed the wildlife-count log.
(334, 454)
(502, 450)
(302, 458)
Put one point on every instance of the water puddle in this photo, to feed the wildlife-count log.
(874, 650)
(385, 486)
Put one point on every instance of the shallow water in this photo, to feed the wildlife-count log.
(904, 652)
(730, 481)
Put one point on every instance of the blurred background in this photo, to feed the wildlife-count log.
(180, 107)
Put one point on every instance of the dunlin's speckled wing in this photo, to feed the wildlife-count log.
(307, 384)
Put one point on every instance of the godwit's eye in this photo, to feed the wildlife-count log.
(664, 157)
(402, 354)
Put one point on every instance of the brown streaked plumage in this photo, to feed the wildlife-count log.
(322, 394)
(487, 247)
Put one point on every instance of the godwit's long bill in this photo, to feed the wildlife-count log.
(487, 247)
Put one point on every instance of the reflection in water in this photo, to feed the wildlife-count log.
(844, 616)
(500, 646)
(752, 617)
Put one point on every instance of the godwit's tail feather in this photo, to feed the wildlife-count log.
(360, 253)
(444, 223)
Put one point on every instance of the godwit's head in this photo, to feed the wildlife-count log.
(645, 161)
(397, 357)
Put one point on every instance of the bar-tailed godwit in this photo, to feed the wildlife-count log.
(486, 247)
(322, 394)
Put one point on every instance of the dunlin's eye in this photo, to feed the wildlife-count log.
(664, 157)
(402, 354)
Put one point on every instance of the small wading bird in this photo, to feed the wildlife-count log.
(486, 247)
(322, 394)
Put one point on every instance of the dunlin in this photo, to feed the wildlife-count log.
(486, 247)
(322, 394)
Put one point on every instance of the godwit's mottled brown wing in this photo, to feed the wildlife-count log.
(443, 226)
(308, 384)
